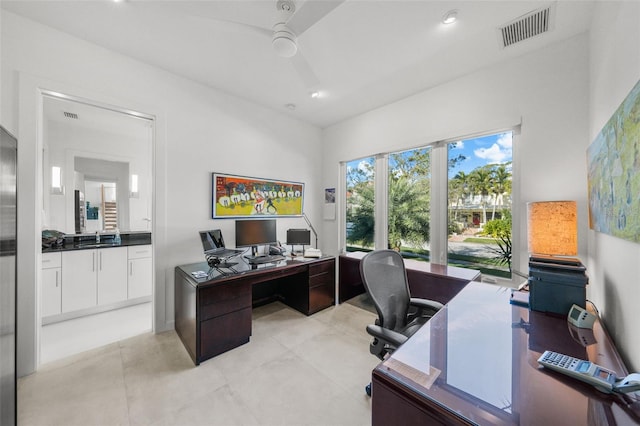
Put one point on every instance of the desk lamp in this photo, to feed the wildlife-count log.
(553, 228)
(556, 282)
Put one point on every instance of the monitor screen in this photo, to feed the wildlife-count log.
(255, 232)
(298, 237)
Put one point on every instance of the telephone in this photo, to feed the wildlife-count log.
(277, 250)
(603, 379)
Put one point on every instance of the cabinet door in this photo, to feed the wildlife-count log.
(51, 291)
(112, 275)
(79, 272)
(140, 277)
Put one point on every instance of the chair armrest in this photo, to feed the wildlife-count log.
(425, 304)
(390, 336)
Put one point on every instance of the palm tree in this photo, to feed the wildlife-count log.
(482, 184)
(501, 185)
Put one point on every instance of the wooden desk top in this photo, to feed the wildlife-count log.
(428, 267)
(475, 362)
(241, 269)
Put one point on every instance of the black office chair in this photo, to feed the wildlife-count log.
(399, 315)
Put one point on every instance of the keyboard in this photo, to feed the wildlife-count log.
(259, 260)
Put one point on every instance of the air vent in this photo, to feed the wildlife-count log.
(526, 26)
(71, 115)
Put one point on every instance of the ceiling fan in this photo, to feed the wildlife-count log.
(292, 19)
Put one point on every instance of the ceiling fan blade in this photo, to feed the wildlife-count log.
(304, 70)
(311, 12)
(236, 26)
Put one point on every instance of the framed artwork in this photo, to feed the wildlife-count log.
(614, 172)
(236, 196)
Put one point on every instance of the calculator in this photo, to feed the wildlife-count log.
(581, 369)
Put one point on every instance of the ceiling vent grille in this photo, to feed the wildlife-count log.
(527, 26)
(71, 115)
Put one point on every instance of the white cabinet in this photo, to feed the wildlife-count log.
(79, 280)
(51, 295)
(140, 271)
(93, 277)
(75, 281)
(112, 275)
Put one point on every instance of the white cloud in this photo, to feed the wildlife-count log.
(505, 140)
(499, 152)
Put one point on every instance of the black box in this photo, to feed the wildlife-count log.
(555, 290)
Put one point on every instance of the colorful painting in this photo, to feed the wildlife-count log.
(614, 172)
(241, 196)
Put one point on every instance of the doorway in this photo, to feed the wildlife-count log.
(99, 151)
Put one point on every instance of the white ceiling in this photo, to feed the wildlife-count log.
(364, 53)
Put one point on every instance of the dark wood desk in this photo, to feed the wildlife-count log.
(475, 362)
(426, 280)
(213, 314)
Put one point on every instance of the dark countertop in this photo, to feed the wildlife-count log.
(88, 242)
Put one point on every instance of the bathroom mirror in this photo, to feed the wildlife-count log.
(97, 168)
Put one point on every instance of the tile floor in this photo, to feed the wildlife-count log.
(70, 337)
(295, 370)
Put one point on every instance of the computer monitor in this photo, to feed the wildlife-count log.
(255, 232)
(301, 237)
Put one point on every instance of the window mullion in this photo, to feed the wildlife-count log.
(382, 201)
(439, 201)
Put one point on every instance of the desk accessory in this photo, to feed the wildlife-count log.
(601, 378)
(579, 317)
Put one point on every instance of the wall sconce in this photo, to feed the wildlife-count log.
(56, 181)
(134, 187)
(553, 228)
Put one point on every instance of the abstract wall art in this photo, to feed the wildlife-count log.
(614, 172)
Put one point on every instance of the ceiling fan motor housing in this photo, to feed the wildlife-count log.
(284, 39)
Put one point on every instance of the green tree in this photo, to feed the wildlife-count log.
(409, 198)
(361, 203)
(481, 184)
(500, 229)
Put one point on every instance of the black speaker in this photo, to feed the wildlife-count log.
(300, 237)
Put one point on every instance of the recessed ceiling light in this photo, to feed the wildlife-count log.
(450, 17)
(315, 94)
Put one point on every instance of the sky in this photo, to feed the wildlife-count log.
(492, 149)
(481, 151)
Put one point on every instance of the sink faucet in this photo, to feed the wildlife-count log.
(97, 237)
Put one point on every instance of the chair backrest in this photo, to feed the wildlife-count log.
(385, 279)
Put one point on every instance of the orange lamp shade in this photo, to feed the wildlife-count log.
(553, 227)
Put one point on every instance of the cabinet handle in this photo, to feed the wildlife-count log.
(130, 268)
(93, 257)
(100, 254)
(56, 278)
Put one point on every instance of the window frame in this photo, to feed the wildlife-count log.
(439, 201)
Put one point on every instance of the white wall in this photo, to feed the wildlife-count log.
(546, 91)
(614, 264)
(198, 130)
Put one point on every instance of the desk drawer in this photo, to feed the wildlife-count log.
(225, 332)
(219, 293)
(322, 267)
(321, 279)
(221, 300)
(321, 297)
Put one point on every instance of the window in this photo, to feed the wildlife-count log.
(448, 202)
(479, 203)
(409, 201)
(360, 204)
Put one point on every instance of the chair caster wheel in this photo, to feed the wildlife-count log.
(367, 389)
